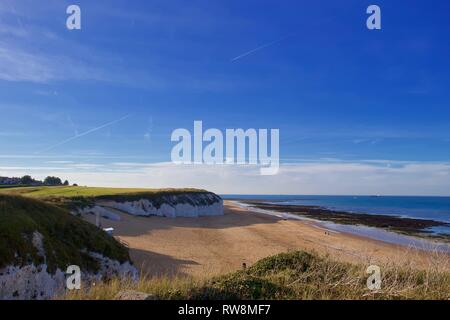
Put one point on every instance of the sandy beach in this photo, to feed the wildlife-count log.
(206, 246)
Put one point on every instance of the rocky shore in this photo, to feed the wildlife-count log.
(409, 226)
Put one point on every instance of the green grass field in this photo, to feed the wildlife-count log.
(8, 186)
(72, 198)
(69, 192)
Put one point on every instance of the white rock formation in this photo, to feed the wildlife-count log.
(144, 207)
(181, 205)
(112, 268)
(35, 282)
(30, 282)
(37, 241)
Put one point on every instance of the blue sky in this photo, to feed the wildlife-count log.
(359, 111)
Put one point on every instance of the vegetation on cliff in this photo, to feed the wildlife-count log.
(66, 239)
(72, 197)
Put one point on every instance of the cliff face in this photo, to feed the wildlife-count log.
(36, 282)
(39, 241)
(165, 205)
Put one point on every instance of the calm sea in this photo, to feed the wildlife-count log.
(434, 208)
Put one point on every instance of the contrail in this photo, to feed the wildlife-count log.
(83, 134)
(260, 48)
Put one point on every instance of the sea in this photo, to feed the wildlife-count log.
(418, 207)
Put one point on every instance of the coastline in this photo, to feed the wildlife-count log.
(356, 225)
(209, 246)
(390, 228)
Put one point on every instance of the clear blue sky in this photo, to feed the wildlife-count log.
(359, 111)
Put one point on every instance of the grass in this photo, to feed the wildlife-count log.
(70, 191)
(293, 275)
(71, 197)
(8, 186)
(67, 239)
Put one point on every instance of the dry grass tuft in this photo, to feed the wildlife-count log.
(294, 275)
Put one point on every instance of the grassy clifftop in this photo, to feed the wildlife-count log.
(75, 197)
(66, 239)
(69, 192)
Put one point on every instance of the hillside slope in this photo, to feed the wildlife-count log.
(39, 241)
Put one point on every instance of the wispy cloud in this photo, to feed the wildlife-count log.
(18, 64)
(60, 162)
(406, 178)
(260, 48)
(77, 136)
(32, 52)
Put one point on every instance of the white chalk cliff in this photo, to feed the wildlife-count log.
(172, 206)
(36, 282)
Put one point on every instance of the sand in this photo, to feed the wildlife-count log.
(207, 246)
